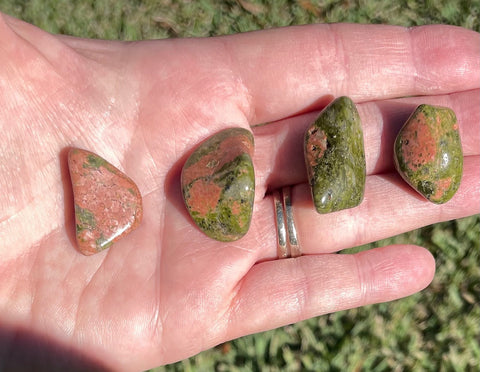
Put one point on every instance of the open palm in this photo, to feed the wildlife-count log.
(166, 291)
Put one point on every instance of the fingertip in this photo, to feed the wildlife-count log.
(394, 271)
(422, 265)
(429, 264)
(434, 46)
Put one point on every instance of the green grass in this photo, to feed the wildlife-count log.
(435, 330)
(134, 20)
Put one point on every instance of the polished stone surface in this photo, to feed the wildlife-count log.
(428, 153)
(335, 157)
(218, 184)
(108, 204)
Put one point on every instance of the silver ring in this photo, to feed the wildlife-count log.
(287, 240)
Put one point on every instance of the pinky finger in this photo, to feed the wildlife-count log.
(276, 293)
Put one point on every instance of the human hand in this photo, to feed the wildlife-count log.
(166, 292)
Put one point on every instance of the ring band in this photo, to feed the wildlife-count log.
(282, 251)
(291, 229)
(287, 240)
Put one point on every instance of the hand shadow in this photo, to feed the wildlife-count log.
(23, 351)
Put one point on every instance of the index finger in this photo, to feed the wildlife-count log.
(291, 70)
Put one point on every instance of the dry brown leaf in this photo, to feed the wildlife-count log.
(255, 9)
(166, 23)
(309, 7)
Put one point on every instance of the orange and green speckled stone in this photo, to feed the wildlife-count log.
(218, 184)
(108, 204)
(335, 157)
(428, 153)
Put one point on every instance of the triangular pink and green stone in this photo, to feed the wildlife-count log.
(108, 204)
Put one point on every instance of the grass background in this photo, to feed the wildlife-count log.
(435, 330)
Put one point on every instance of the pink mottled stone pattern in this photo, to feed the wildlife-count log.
(108, 204)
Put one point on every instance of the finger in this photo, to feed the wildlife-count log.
(292, 69)
(276, 293)
(279, 158)
(390, 207)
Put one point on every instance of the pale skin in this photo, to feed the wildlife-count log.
(166, 292)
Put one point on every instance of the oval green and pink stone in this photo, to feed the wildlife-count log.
(428, 153)
(108, 204)
(218, 184)
(335, 157)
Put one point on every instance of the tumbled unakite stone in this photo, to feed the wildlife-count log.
(218, 184)
(108, 204)
(335, 157)
(428, 153)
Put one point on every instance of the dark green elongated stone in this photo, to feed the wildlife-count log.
(335, 157)
(218, 184)
(428, 153)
